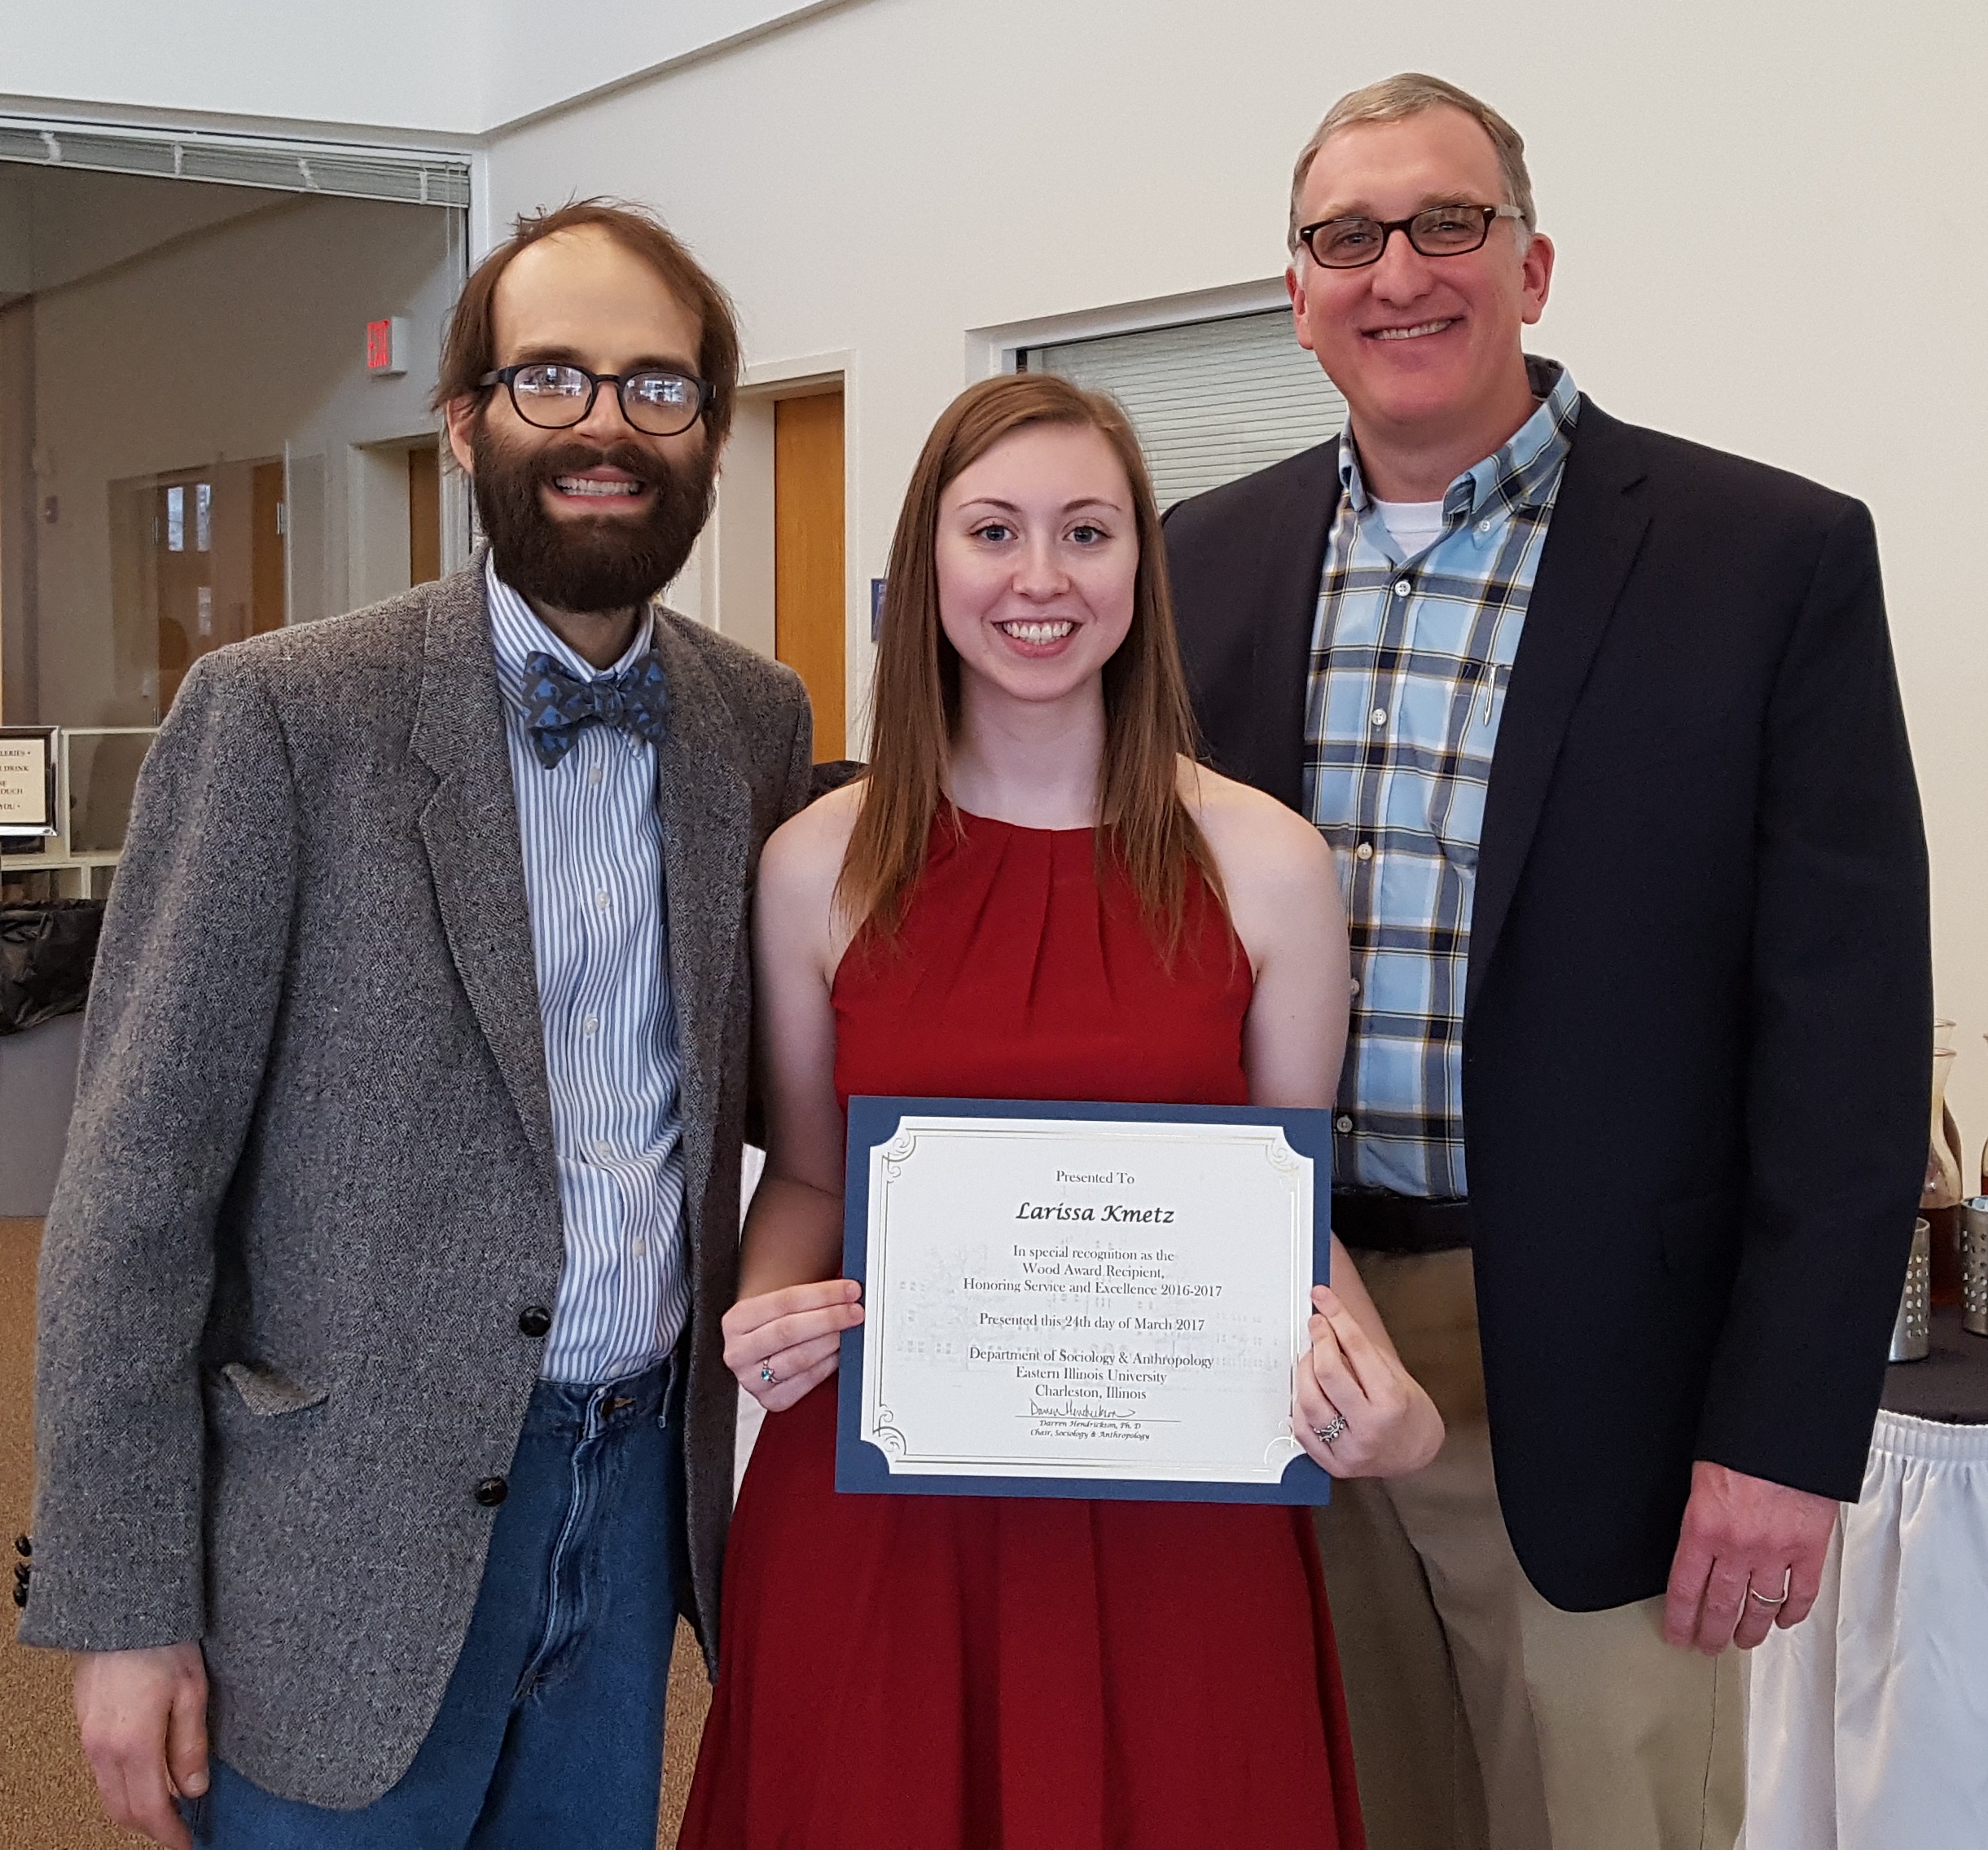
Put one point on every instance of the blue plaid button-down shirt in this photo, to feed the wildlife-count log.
(1410, 660)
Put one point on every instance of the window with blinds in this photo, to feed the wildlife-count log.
(1211, 400)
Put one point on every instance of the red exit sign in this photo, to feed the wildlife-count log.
(386, 347)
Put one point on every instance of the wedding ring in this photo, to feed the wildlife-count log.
(1787, 1580)
(1331, 1430)
(766, 1373)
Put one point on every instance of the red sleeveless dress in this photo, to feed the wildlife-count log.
(968, 1673)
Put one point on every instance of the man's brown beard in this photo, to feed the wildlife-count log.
(606, 563)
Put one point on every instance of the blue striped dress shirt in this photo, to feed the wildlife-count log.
(593, 842)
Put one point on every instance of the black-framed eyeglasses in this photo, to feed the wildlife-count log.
(555, 395)
(1439, 230)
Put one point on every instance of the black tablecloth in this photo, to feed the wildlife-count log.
(1950, 1384)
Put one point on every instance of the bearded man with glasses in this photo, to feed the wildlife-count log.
(384, 1423)
(1604, 730)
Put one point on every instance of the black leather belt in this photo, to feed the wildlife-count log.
(1376, 1222)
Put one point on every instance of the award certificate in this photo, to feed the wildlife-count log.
(1080, 1300)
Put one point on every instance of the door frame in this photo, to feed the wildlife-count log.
(377, 513)
(728, 583)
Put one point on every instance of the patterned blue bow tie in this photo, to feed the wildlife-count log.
(557, 703)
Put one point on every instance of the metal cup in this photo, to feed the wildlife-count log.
(1911, 1335)
(1974, 1266)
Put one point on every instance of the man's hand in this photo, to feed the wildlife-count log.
(1742, 1537)
(143, 1718)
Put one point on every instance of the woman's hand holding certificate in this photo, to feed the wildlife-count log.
(783, 1343)
(1050, 1020)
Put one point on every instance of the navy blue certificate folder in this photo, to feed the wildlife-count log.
(861, 1464)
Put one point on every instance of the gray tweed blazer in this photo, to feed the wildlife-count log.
(310, 1179)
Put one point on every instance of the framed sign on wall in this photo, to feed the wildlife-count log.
(28, 781)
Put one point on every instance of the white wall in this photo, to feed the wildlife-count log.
(527, 68)
(399, 64)
(154, 367)
(1751, 203)
(452, 67)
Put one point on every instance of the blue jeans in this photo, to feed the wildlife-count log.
(551, 1731)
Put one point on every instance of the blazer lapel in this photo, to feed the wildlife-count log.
(1596, 530)
(1289, 601)
(706, 807)
(469, 829)
(1250, 602)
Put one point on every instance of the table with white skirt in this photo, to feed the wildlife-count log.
(1868, 1724)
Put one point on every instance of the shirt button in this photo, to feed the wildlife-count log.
(1364, 852)
(601, 899)
(535, 1321)
(1402, 587)
(591, 1025)
(602, 1148)
(1354, 986)
(1484, 526)
(492, 1491)
(640, 1247)
(593, 775)
(1342, 1124)
(1379, 716)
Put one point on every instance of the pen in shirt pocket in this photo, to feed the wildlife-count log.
(1490, 688)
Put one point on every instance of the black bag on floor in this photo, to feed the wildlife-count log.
(47, 949)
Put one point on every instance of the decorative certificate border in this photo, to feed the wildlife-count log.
(879, 1140)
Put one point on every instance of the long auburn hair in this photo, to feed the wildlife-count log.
(1145, 828)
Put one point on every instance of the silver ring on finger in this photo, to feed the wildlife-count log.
(1332, 1430)
(766, 1373)
(1787, 1582)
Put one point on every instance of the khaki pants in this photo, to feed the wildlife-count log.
(1483, 1718)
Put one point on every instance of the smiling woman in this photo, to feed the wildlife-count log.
(1093, 562)
(1035, 893)
(1050, 578)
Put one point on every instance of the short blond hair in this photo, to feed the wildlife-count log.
(1394, 99)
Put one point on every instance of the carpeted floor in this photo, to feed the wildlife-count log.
(47, 1801)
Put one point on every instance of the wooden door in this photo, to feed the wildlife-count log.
(265, 547)
(182, 568)
(212, 570)
(809, 618)
(423, 514)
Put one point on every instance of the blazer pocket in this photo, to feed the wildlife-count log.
(1700, 1232)
(266, 1391)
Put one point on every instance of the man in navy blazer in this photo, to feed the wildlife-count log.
(1604, 728)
